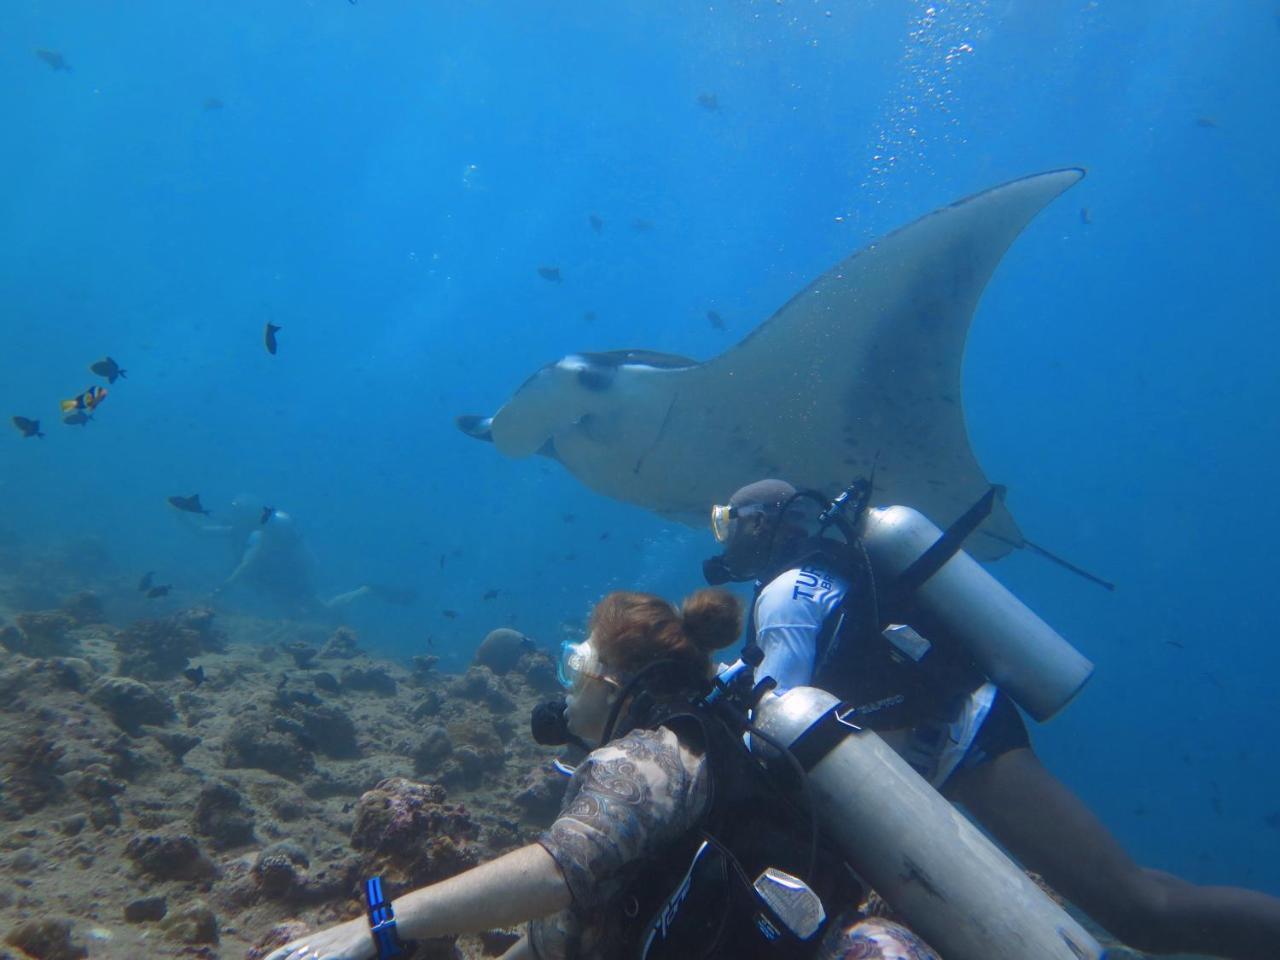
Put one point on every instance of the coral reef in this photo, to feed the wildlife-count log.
(502, 649)
(162, 649)
(410, 835)
(222, 817)
(42, 634)
(46, 940)
(131, 703)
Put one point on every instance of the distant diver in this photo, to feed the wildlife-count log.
(269, 336)
(876, 343)
(597, 224)
(54, 59)
(145, 583)
(108, 369)
(551, 274)
(189, 504)
(708, 101)
(28, 428)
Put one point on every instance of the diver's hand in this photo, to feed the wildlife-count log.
(346, 941)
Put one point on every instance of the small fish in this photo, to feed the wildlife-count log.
(267, 514)
(449, 614)
(491, 594)
(708, 101)
(213, 103)
(77, 419)
(431, 641)
(108, 368)
(54, 59)
(589, 317)
(28, 428)
(1272, 820)
(640, 225)
(1206, 123)
(195, 675)
(1175, 643)
(551, 274)
(189, 504)
(88, 400)
(571, 556)
(145, 583)
(269, 337)
(596, 223)
(605, 535)
(160, 591)
(442, 561)
(716, 321)
(568, 517)
(1085, 216)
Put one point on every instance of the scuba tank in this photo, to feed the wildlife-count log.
(950, 883)
(1018, 651)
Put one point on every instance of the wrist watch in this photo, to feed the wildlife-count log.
(382, 920)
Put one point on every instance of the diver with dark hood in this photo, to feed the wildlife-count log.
(832, 612)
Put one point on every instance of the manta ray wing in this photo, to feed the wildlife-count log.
(859, 371)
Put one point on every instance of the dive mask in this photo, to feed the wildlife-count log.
(578, 662)
(722, 517)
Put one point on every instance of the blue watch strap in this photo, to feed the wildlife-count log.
(382, 920)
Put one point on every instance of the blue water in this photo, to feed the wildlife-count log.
(384, 178)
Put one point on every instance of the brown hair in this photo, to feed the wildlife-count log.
(633, 630)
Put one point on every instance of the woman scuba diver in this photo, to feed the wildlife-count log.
(666, 840)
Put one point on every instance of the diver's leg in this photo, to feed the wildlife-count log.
(1050, 830)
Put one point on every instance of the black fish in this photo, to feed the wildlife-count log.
(269, 337)
(568, 517)
(145, 583)
(1085, 216)
(28, 428)
(605, 535)
(189, 504)
(708, 101)
(160, 591)
(490, 594)
(267, 514)
(640, 225)
(589, 316)
(1206, 123)
(442, 561)
(194, 674)
(54, 59)
(1175, 643)
(596, 223)
(108, 368)
(449, 614)
(550, 273)
(77, 419)
(715, 320)
(213, 103)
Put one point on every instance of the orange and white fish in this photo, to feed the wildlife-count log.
(88, 400)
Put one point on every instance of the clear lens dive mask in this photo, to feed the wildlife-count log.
(722, 518)
(578, 662)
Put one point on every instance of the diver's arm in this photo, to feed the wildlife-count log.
(251, 554)
(519, 886)
(787, 633)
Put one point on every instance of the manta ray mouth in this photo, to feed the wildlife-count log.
(859, 372)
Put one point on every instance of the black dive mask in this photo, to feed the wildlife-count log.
(549, 726)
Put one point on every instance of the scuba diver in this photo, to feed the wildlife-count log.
(273, 563)
(920, 644)
(665, 842)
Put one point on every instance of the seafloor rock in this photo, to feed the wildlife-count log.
(72, 672)
(278, 936)
(178, 744)
(428, 706)
(222, 816)
(169, 856)
(32, 767)
(41, 634)
(192, 923)
(145, 910)
(302, 653)
(95, 784)
(539, 671)
(280, 870)
(331, 730)
(156, 649)
(541, 796)
(370, 679)
(46, 940)
(432, 750)
(410, 835)
(479, 685)
(261, 744)
(85, 607)
(326, 682)
(341, 645)
(131, 703)
(502, 649)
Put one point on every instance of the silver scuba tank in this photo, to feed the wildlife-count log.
(1018, 651)
(951, 884)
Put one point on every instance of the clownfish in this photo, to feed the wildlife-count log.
(88, 400)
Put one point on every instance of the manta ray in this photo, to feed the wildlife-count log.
(858, 374)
